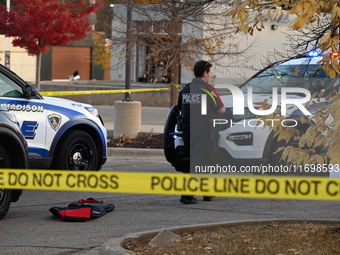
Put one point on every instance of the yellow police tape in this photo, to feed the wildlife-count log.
(172, 184)
(91, 92)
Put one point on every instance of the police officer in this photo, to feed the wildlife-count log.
(199, 103)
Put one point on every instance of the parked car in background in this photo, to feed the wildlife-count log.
(13, 154)
(61, 134)
(255, 144)
(245, 142)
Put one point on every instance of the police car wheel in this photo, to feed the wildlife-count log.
(5, 194)
(77, 151)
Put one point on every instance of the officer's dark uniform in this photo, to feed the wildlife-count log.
(200, 138)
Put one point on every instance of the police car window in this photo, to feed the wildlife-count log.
(9, 88)
(284, 76)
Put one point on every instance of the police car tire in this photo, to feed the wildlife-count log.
(5, 194)
(76, 141)
(5, 201)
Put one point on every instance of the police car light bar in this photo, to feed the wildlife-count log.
(313, 53)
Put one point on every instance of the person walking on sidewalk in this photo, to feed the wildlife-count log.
(199, 103)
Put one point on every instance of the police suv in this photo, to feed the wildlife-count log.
(244, 139)
(61, 134)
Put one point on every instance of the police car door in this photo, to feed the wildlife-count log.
(30, 113)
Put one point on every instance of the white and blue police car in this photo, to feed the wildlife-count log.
(243, 139)
(61, 134)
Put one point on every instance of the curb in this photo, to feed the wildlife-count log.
(113, 246)
(132, 153)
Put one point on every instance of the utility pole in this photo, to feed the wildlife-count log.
(175, 20)
(127, 114)
(128, 51)
(7, 52)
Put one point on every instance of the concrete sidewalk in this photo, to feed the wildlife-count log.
(153, 118)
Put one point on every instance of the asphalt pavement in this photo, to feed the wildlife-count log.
(136, 212)
(222, 210)
(153, 119)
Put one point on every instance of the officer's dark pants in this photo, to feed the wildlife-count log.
(200, 145)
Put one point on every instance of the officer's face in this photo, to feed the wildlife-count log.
(207, 76)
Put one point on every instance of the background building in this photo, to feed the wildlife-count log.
(59, 62)
(251, 53)
(20, 62)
